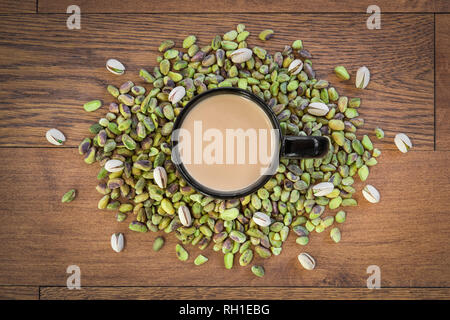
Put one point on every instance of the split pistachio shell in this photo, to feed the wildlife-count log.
(306, 261)
(160, 176)
(318, 109)
(117, 242)
(295, 67)
(322, 189)
(115, 66)
(261, 219)
(185, 216)
(56, 137)
(402, 142)
(362, 78)
(371, 194)
(177, 94)
(241, 55)
(114, 165)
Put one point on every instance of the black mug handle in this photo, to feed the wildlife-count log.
(298, 147)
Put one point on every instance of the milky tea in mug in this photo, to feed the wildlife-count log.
(227, 142)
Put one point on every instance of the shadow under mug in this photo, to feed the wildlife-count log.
(292, 147)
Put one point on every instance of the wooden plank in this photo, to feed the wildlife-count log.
(48, 71)
(442, 82)
(407, 234)
(320, 6)
(19, 293)
(240, 293)
(14, 6)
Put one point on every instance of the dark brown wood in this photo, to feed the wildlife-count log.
(19, 293)
(220, 293)
(442, 82)
(194, 6)
(407, 234)
(14, 6)
(48, 72)
(51, 71)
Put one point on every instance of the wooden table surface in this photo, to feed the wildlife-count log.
(48, 71)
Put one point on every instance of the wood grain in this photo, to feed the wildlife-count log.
(442, 82)
(48, 71)
(19, 293)
(288, 6)
(14, 6)
(241, 293)
(407, 234)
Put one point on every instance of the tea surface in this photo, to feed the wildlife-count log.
(231, 142)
